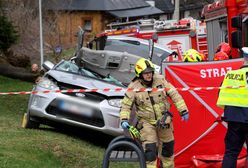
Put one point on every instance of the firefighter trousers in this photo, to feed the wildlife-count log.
(158, 143)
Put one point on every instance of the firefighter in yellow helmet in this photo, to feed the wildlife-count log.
(192, 55)
(152, 111)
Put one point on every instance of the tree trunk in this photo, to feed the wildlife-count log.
(17, 73)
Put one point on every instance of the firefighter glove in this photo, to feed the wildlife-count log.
(165, 120)
(185, 116)
(125, 124)
(134, 132)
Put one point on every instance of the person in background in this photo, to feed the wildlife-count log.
(35, 68)
(37, 72)
(191, 55)
(224, 48)
(235, 104)
(152, 112)
(219, 56)
(203, 56)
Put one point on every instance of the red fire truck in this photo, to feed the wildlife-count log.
(175, 35)
(218, 17)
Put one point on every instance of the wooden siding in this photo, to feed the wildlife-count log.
(68, 25)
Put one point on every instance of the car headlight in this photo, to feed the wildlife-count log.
(115, 102)
(47, 84)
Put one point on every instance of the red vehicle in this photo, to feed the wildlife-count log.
(175, 35)
(218, 17)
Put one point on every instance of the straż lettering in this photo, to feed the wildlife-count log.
(214, 72)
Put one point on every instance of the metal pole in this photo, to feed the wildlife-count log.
(41, 34)
(176, 11)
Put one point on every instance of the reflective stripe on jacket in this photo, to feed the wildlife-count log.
(151, 105)
(232, 96)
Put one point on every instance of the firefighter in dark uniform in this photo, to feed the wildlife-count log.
(152, 112)
(235, 103)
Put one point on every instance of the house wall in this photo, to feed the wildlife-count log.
(67, 26)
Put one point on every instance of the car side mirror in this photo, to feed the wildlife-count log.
(48, 65)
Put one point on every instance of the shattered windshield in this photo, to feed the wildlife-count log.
(68, 66)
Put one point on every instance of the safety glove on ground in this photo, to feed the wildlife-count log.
(185, 116)
(165, 120)
(134, 132)
(125, 124)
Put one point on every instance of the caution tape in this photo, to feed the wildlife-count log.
(119, 90)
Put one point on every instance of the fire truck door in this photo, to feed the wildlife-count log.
(217, 33)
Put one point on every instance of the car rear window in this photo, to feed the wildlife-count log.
(136, 48)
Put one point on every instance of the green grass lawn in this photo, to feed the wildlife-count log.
(45, 147)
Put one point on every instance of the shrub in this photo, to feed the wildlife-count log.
(8, 34)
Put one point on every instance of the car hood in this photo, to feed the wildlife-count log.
(85, 82)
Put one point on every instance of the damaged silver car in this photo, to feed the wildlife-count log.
(94, 110)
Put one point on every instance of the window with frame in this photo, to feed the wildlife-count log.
(87, 24)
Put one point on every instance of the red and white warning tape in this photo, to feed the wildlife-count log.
(119, 90)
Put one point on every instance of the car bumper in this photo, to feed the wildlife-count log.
(102, 117)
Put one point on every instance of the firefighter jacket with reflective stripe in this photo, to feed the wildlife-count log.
(232, 96)
(151, 105)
